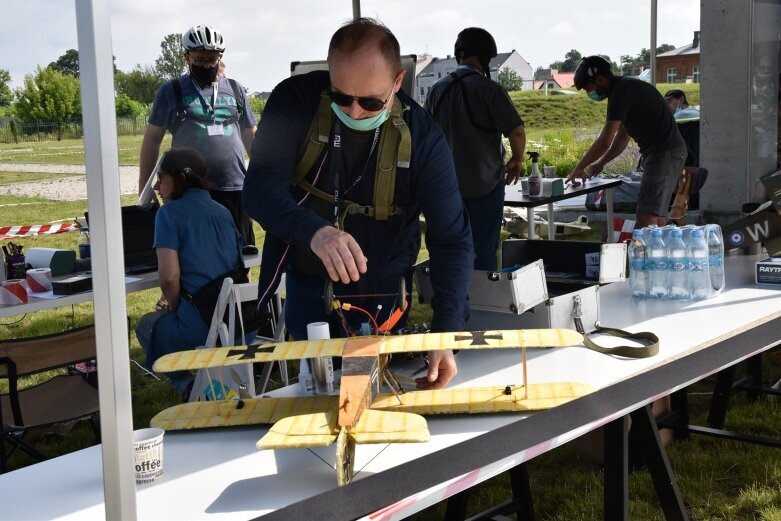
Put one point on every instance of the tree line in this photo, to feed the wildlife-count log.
(53, 92)
(628, 66)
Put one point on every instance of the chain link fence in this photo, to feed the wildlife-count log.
(13, 130)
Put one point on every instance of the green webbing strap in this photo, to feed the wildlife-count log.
(650, 349)
(316, 138)
(395, 151)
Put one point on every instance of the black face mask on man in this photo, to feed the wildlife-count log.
(203, 74)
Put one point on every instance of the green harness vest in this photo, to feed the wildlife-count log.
(394, 152)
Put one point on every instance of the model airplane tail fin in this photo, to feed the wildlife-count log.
(321, 429)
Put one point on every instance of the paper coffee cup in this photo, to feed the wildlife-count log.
(549, 171)
(148, 454)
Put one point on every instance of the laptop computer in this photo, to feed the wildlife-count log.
(138, 236)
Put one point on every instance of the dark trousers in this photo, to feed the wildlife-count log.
(304, 304)
(485, 218)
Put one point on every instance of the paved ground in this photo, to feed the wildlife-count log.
(72, 186)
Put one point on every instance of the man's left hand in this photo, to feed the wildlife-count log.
(441, 369)
(512, 171)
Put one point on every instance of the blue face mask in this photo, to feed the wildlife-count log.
(361, 125)
(594, 95)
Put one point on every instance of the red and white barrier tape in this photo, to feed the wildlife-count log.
(13, 232)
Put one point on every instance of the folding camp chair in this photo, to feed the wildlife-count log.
(64, 398)
(240, 378)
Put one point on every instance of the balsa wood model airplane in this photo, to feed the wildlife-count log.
(360, 414)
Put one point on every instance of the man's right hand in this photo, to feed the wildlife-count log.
(340, 253)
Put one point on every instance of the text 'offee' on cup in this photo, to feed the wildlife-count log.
(148, 454)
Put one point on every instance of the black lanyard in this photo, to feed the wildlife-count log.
(338, 155)
(208, 106)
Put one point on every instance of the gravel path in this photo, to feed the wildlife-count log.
(71, 187)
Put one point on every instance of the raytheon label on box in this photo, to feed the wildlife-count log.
(768, 271)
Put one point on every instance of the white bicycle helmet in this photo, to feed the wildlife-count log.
(203, 38)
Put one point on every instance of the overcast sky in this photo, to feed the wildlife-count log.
(263, 36)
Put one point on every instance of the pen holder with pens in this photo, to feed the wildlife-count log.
(15, 267)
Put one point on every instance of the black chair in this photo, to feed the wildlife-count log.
(66, 397)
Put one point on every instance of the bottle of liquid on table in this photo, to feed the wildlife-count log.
(638, 276)
(715, 257)
(699, 278)
(535, 179)
(679, 266)
(657, 265)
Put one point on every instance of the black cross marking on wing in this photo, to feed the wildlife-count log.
(478, 338)
(251, 351)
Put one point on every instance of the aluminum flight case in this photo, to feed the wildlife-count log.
(509, 292)
(543, 284)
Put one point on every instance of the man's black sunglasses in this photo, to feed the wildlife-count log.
(345, 100)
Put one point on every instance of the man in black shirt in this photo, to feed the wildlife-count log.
(474, 111)
(634, 109)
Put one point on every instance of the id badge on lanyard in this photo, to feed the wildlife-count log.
(214, 129)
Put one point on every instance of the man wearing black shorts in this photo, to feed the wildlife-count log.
(634, 109)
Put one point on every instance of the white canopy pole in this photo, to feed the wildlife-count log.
(653, 42)
(108, 280)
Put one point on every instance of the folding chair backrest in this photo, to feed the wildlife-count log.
(32, 355)
(217, 327)
(241, 293)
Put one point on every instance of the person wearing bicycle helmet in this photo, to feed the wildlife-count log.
(634, 109)
(210, 113)
(474, 112)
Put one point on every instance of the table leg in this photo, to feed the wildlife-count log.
(616, 455)
(551, 225)
(530, 222)
(609, 200)
(659, 465)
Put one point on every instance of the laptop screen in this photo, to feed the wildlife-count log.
(138, 236)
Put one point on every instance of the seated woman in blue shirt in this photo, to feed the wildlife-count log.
(196, 242)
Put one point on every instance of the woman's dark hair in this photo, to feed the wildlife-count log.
(188, 169)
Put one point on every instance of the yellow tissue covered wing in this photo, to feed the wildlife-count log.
(484, 399)
(321, 429)
(226, 413)
(511, 338)
(222, 356)
(390, 427)
(306, 430)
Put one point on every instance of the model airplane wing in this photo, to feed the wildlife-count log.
(474, 400)
(511, 338)
(223, 356)
(321, 429)
(233, 413)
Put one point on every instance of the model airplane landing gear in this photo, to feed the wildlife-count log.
(345, 457)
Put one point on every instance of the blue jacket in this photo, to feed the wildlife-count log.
(429, 186)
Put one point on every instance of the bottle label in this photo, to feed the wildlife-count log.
(678, 266)
(715, 260)
(700, 265)
(660, 264)
(638, 264)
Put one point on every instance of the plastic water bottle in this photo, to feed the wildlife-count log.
(699, 277)
(679, 266)
(657, 265)
(638, 277)
(715, 258)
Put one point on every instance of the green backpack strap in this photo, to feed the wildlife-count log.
(395, 152)
(650, 340)
(316, 139)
